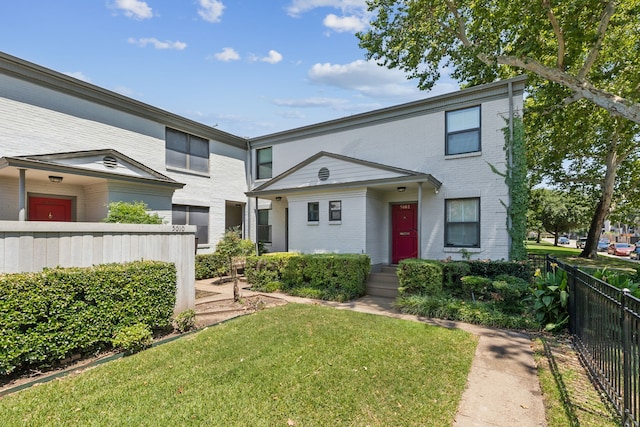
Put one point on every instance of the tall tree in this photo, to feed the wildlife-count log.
(558, 211)
(587, 46)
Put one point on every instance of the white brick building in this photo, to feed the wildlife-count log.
(406, 181)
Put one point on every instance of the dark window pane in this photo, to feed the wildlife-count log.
(176, 159)
(179, 215)
(264, 163)
(463, 142)
(462, 222)
(176, 141)
(199, 147)
(335, 211)
(199, 164)
(463, 234)
(313, 211)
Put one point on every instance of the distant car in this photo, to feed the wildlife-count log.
(620, 249)
(635, 253)
(563, 240)
(581, 243)
(603, 245)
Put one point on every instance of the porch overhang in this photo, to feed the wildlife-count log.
(388, 184)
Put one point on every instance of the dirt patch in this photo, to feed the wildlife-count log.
(211, 312)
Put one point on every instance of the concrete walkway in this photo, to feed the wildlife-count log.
(502, 388)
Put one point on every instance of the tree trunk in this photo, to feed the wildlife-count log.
(602, 209)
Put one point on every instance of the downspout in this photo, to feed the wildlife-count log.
(248, 169)
(420, 220)
(510, 162)
(22, 212)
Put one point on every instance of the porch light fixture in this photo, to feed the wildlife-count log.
(53, 178)
(278, 198)
(401, 189)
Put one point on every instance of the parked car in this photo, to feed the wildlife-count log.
(563, 240)
(635, 253)
(620, 249)
(581, 243)
(603, 245)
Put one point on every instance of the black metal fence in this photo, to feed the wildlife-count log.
(605, 324)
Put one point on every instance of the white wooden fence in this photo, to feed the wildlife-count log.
(30, 246)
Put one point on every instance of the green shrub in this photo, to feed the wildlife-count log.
(265, 271)
(338, 277)
(184, 321)
(233, 246)
(419, 276)
(510, 292)
(476, 287)
(211, 265)
(550, 299)
(453, 272)
(131, 213)
(134, 338)
(50, 315)
(492, 269)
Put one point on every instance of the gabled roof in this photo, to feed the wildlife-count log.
(105, 163)
(375, 174)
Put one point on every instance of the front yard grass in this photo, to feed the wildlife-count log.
(570, 256)
(291, 365)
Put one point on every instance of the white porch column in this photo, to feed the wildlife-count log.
(22, 196)
(419, 220)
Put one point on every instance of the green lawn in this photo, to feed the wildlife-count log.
(570, 256)
(292, 365)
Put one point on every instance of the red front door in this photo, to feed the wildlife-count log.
(404, 229)
(49, 209)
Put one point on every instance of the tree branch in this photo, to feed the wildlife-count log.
(546, 4)
(462, 31)
(607, 13)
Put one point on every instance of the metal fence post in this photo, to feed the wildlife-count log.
(627, 419)
(572, 298)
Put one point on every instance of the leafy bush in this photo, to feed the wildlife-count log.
(550, 299)
(492, 269)
(418, 276)
(338, 277)
(211, 265)
(184, 321)
(131, 213)
(510, 291)
(453, 272)
(619, 280)
(134, 338)
(48, 316)
(265, 272)
(476, 287)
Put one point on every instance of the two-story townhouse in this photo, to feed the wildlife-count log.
(68, 148)
(414, 180)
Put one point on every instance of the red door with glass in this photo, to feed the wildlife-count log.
(49, 209)
(404, 229)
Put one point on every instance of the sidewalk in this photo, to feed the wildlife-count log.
(502, 387)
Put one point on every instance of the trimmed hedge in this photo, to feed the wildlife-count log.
(338, 277)
(493, 269)
(419, 277)
(211, 265)
(48, 316)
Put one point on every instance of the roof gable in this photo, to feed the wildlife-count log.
(329, 169)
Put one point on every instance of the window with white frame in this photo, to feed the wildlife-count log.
(264, 163)
(192, 215)
(264, 226)
(462, 223)
(335, 210)
(463, 131)
(313, 211)
(186, 151)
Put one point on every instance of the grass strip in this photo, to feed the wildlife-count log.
(291, 365)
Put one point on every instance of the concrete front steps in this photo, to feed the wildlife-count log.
(383, 283)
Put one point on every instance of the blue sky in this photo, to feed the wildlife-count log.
(249, 67)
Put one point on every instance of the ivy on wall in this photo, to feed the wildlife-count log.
(516, 179)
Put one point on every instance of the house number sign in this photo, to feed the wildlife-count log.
(405, 206)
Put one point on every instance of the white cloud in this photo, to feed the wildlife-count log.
(143, 42)
(210, 10)
(78, 75)
(135, 9)
(366, 77)
(298, 7)
(273, 58)
(345, 23)
(227, 54)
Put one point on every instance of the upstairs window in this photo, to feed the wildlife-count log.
(313, 211)
(192, 215)
(463, 131)
(462, 223)
(264, 228)
(335, 210)
(187, 151)
(264, 163)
